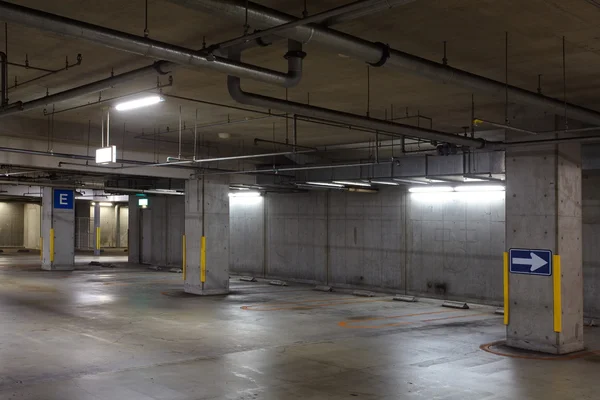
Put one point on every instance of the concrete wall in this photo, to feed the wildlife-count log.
(161, 225)
(247, 235)
(455, 243)
(31, 226)
(123, 226)
(591, 245)
(446, 246)
(11, 224)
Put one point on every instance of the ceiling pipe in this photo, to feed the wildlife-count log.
(4, 79)
(236, 92)
(348, 11)
(79, 91)
(379, 54)
(374, 7)
(143, 46)
(160, 67)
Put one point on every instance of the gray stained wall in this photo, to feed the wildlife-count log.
(427, 245)
(156, 232)
(31, 226)
(11, 224)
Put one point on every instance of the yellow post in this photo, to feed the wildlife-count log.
(98, 238)
(506, 302)
(183, 257)
(203, 259)
(41, 248)
(51, 244)
(556, 277)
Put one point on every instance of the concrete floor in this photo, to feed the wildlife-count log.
(130, 333)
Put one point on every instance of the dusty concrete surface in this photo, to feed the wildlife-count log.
(131, 333)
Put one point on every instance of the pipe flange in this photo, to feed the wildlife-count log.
(385, 55)
(295, 54)
(157, 67)
(261, 43)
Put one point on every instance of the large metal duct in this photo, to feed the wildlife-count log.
(380, 54)
(236, 92)
(142, 46)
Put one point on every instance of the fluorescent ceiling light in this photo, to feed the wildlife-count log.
(143, 202)
(466, 179)
(435, 181)
(410, 181)
(336, 185)
(479, 188)
(245, 194)
(138, 103)
(350, 183)
(104, 204)
(385, 183)
(431, 189)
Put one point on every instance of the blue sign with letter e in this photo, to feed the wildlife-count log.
(530, 262)
(63, 199)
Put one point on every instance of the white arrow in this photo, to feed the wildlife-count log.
(535, 262)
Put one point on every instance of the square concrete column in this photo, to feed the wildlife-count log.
(58, 229)
(543, 211)
(97, 228)
(207, 236)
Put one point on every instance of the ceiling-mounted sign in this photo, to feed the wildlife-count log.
(530, 261)
(63, 199)
(106, 155)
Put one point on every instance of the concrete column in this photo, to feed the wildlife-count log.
(58, 229)
(207, 236)
(133, 231)
(117, 226)
(97, 229)
(543, 211)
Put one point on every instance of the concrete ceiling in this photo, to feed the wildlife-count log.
(474, 30)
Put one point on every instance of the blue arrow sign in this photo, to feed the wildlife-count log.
(530, 262)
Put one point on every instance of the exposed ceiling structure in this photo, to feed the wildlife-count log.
(336, 83)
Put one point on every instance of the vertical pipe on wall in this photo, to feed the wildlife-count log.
(327, 267)
(405, 196)
(51, 248)
(184, 257)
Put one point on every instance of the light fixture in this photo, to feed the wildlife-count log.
(327, 184)
(106, 155)
(390, 183)
(435, 181)
(245, 194)
(350, 183)
(143, 202)
(431, 189)
(138, 103)
(467, 179)
(479, 188)
(105, 204)
(410, 181)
